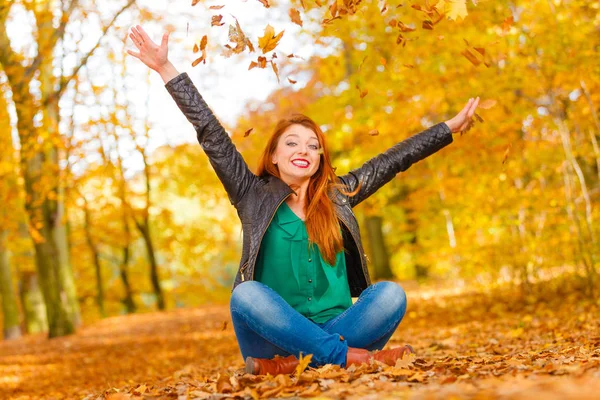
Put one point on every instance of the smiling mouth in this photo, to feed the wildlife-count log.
(301, 164)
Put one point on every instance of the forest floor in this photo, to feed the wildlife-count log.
(475, 345)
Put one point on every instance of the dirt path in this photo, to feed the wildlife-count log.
(468, 346)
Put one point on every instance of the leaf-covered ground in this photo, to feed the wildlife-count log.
(469, 345)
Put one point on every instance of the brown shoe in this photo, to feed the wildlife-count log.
(275, 366)
(389, 357)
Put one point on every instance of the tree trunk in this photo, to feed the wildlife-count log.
(10, 308)
(379, 252)
(32, 300)
(96, 259)
(145, 231)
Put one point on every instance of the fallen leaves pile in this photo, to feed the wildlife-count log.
(469, 345)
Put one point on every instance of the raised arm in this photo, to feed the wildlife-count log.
(382, 168)
(225, 159)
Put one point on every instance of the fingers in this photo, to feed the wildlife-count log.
(165, 40)
(135, 41)
(133, 53)
(143, 33)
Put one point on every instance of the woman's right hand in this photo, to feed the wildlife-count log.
(154, 56)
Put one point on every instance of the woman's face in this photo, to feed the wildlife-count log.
(297, 154)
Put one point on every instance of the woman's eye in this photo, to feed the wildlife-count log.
(290, 143)
(314, 147)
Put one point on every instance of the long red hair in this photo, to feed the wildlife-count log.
(321, 220)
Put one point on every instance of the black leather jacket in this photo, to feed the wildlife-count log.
(256, 199)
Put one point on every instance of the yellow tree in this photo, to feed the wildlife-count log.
(36, 90)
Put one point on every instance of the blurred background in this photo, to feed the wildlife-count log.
(109, 206)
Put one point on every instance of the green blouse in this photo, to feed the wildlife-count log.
(285, 263)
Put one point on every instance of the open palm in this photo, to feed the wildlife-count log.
(463, 120)
(151, 54)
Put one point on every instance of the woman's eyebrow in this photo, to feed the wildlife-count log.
(294, 134)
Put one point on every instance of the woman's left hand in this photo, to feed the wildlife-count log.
(463, 120)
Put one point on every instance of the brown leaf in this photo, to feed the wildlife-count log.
(291, 81)
(203, 42)
(199, 60)
(295, 16)
(247, 133)
(215, 7)
(506, 152)
(237, 36)
(265, 3)
(274, 66)
(216, 20)
(362, 93)
(427, 25)
(471, 57)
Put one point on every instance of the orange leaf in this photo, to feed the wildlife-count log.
(247, 133)
(196, 48)
(216, 20)
(275, 70)
(292, 81)
(269, 40)
(373, 132)
(203, 42)
(295, 16)
(265, 3)
(215, 7)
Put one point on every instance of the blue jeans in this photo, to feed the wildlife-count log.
(266, 325)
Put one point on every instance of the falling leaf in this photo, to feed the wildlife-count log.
(291, 81)
(506, 152)
(427, 25)
(196, 48)
(194, 2)
(507, 23)
(247, 133)
(362, 93)
(215, 7)
(303, 364)
(203, 42)
(487, 104)
(275, 69)
(477, 117)
(384, 8)
(199, 60)
(456, 9)
(471, 57)
(408, 65)
(295, 16)
(237, 36)
(216, 20)
(373, 132)
(265, 3)
(361, 64)
(269, 40)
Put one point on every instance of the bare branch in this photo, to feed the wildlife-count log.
(65, 80)
(56, 36)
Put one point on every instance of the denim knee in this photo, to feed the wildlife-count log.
(244, 294)
(393, 297)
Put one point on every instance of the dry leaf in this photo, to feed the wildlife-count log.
(295, 16)
(373, 132)
(269, 40)
(291, 81)
(216, 20)
(196, 48)
(487, 104)
(247, 133)
(275, 69)
(303, 364)
(265, 3)
(215, 7)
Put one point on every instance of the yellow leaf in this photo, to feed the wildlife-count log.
(269, 40)
(303, 363)
(487, 104)
(295, 16)
(456, 9)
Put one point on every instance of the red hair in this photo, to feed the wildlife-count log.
(321, 221)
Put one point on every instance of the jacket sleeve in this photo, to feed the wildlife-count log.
(381, 169)
(228, 163)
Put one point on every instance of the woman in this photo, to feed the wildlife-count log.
(302, 257)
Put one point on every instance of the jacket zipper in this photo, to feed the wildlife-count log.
(353, 238)
(263, 234)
